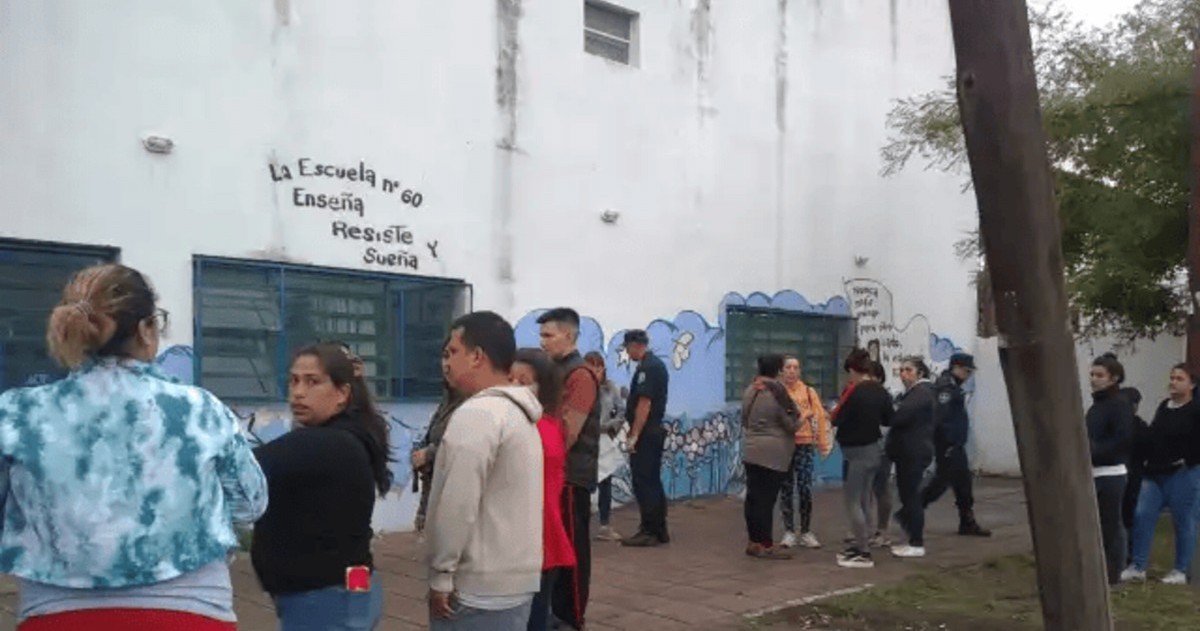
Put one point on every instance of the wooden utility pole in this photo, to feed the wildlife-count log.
(1018, 220)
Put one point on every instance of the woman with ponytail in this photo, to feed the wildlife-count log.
(312, 549)
(118, 484)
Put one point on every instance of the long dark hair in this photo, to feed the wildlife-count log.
(545, 372)
(339, 364)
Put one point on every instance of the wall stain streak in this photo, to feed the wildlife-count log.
(283, 12)
(508, 13)
(508, 21)
(781, 68)
(894, 25)
(781, 94)
(702, 31)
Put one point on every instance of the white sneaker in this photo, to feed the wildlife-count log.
(908, 552)
(606, 533)
(1175, 577)
(809, 540)
(880, 540)
(789, 540)
(1131, 573)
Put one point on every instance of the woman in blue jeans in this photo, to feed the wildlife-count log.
(1169, 454)
(312, 548)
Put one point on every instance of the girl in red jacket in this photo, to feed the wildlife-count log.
(534, 369)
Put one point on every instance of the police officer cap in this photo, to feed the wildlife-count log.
(962, 359)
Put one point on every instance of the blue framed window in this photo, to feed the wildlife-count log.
(821, 341)
(32, 277)
(250, 317)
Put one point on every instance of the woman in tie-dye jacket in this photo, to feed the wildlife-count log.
(119, 486)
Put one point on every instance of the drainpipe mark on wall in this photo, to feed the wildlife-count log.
(702, 31)
(781, 68)
(508, 14)
(781, 93)
(508, 20)
(894, 24)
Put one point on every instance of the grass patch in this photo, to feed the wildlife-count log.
(997, 595)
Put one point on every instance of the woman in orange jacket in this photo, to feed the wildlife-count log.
(813, 436)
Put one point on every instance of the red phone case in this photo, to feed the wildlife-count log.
(358, 578)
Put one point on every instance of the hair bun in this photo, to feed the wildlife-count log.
(75, 330)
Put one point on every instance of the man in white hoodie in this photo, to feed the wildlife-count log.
(484, 522)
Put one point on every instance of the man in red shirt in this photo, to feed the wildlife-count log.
(580, 413)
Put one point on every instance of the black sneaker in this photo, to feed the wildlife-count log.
(642, 540)
(973, 529)
(855, 560)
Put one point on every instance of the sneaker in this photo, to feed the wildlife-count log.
(1131, 573)
(606, 533)
(908, 552)
(772, 553)
(1175, 577)
(973, 529)
(641, 540)
(809, 540)
(856, 560)
(789, 540)
(880, 540)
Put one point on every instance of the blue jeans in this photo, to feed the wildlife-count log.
(539, 614)
(331, 609)
(1179, 492)
(471, 619)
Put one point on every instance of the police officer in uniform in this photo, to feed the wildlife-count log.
(950, 440)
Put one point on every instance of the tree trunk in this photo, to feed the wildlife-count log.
(1193, 328)
(1006, 148)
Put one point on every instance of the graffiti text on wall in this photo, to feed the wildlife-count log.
(309, 168)
(390, 246)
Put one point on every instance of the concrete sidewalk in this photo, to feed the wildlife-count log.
(703, 580)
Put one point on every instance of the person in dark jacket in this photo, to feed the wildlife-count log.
(1168, 452)
(312, 548)
(881, 490)
(1110, 437)
(422, 458)
(951, 428)
(865, 407)
(910, 446)
(1133, 484)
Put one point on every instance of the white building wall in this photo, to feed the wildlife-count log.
(1147, 364)
(741, 151)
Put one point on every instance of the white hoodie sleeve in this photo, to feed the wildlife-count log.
(465, 457)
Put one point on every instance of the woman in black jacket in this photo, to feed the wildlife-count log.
(1167, 451)
(312, 548)
(1110, 436)
(910, 446)
(865, 407)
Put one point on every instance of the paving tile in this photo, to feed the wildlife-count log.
(702, 580)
